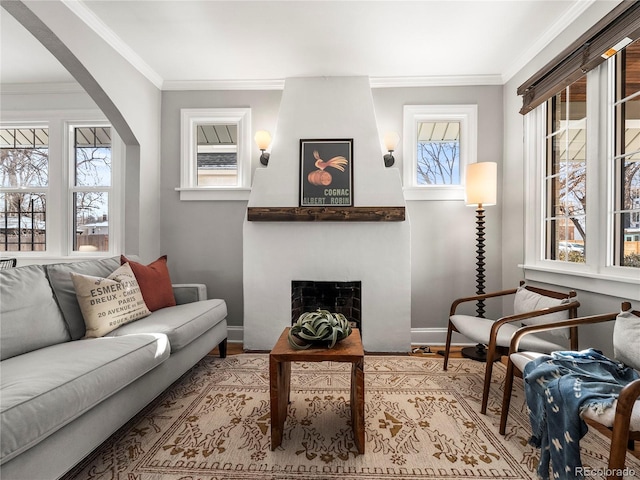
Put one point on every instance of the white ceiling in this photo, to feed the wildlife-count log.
(175, 42)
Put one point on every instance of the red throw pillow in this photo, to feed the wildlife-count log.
(154, 281)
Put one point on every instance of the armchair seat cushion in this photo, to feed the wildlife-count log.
(478, 330)
(520, 359)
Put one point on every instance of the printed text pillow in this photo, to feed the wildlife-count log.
(108, 303)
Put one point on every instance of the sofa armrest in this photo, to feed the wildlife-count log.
(189, 292)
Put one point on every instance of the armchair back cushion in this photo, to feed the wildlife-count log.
(626, 338)
(528, 301)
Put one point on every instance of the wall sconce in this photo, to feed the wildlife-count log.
(391, 140)
(263, 140)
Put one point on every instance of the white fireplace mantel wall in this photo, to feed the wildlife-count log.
(375, 253)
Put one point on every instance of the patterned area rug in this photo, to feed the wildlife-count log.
(421, 422)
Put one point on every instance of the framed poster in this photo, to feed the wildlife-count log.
(326, 173)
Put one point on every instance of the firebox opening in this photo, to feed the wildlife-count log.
(336, 297)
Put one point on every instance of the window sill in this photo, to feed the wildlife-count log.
(624, 287)
(215, 194)
(44, 258)
(434, 193)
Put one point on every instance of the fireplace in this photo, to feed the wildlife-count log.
(336, 297)
(364, 242)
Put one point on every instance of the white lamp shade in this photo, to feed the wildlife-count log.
(262, 139)
(391, 140)
(481, 185)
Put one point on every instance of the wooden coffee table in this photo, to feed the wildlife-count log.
(348, 350)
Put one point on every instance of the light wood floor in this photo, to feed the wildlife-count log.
(237, 348)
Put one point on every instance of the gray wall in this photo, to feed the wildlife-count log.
(443, 237)
(204, 239)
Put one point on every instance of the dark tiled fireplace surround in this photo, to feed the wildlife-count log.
(337, 297)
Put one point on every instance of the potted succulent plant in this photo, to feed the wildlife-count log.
(318, 327)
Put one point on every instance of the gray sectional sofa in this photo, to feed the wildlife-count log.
(61, 396)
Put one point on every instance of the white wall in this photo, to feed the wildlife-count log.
(129, 101)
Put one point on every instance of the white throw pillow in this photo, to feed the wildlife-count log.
(108, 303)
(528, 301)
(626, 339)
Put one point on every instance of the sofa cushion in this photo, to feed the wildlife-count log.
(60, 278)
(182, 323)
(46, 389)
(107, 303)
(30, 316)
(154, 282)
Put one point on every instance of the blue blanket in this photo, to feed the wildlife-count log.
(558, 388)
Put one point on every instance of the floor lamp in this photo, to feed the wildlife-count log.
(481, 191)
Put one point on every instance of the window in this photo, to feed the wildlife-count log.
(583, 180)
(91, 185)
(215, 154)
(439, 141)
(565, 181)
(626, 160)
(23, 196)
(60, 186)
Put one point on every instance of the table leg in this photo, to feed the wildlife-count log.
(357, 403)
(279, 383)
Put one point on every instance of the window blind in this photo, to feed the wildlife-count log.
(583, 55)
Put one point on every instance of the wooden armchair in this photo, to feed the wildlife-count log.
(532, 305)
(623, 419)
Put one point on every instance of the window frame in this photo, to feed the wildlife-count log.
(597, 274)
(114, 191)
(189, 119)
(467, 116)
(59, 210)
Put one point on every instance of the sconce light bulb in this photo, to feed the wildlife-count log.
(391, 140)
(262, 139)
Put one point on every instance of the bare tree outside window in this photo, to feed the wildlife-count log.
(566, 175)
(93, 169)
(24, 178)
(438, 160)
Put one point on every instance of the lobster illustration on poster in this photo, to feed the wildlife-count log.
(326, 172)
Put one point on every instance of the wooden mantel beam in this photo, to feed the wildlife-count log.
(326, 214)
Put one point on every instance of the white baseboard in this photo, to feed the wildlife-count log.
(235, 334)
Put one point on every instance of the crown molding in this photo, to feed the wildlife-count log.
(55, 88)
(275, 84)
(375, 82)
(101, 29)
(435, 81)
(550, 34)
